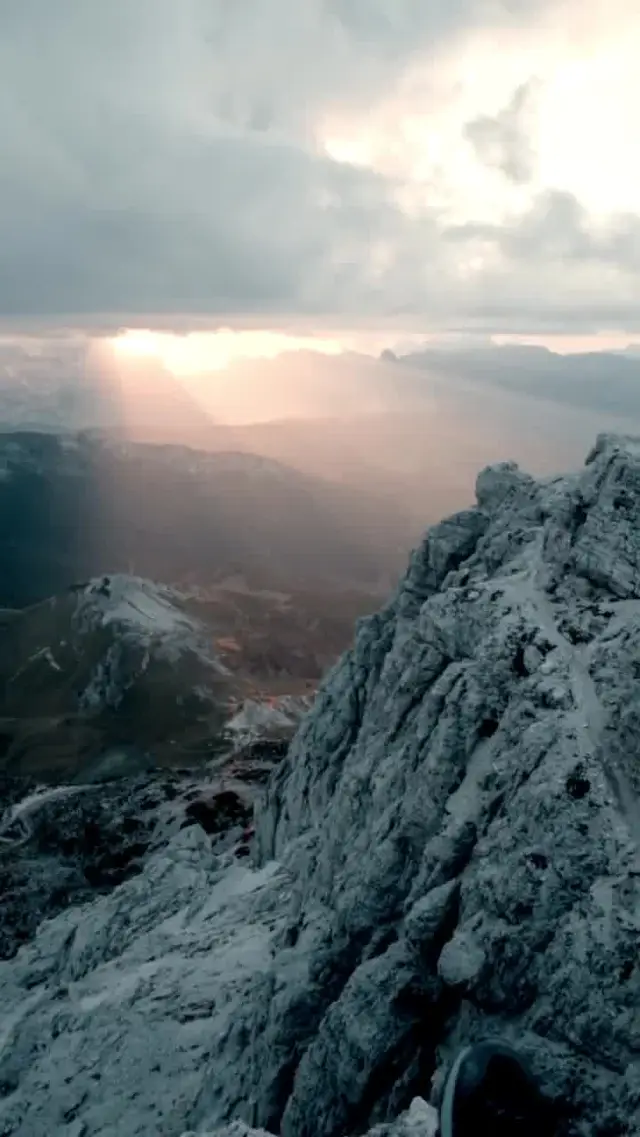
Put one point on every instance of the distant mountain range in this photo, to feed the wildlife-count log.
(606, 382)
(410, 428)
(75, 506)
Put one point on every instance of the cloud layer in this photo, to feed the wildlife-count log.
(175, 157)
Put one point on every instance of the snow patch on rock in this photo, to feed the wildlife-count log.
(145, 610)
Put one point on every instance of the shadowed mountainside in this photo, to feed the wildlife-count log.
(72, 507)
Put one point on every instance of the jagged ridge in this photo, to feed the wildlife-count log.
(449, 850)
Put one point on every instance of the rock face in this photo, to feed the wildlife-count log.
(65, 845)
(420, 1120)
(449, 851)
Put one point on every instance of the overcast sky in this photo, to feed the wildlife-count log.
(437, 163)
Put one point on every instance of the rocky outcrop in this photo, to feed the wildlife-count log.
(420, 1120)
(64, 845)
(449, 850)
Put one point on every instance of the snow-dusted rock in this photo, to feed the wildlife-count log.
(420, 1120)
(62, 845)
(148, 623)
(449, 850)
(273, 718)
(236, 1129)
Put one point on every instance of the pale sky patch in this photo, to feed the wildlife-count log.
(198, 352)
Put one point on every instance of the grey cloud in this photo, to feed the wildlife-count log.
(557, 230)
(156, 157)
(222, 227)
(503, 141)
(274, 59)
(553, 270)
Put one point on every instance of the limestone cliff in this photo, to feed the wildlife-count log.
(449, 850)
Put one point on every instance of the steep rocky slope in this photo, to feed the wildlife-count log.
(450, 849)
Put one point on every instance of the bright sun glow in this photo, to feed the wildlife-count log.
(583, 121)
(200, 352)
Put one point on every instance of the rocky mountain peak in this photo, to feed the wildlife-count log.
(448, 851)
